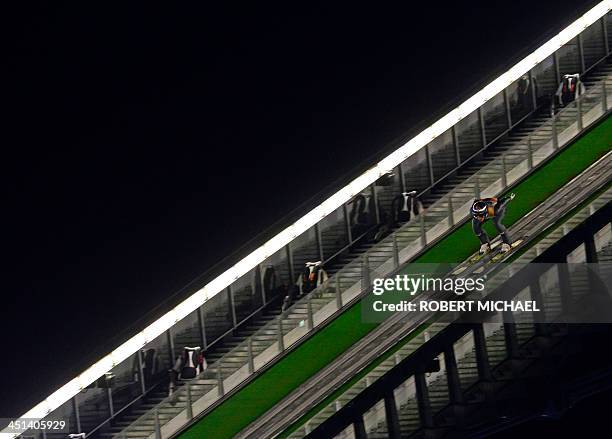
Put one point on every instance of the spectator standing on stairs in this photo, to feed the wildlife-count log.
(187, 366)
(360, 217)
(524, 92)
(312, 277)
(406, 206)
(570, 89)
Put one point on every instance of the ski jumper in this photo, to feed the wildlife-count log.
(489, 208)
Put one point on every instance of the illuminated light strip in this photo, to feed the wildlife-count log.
(130, 347)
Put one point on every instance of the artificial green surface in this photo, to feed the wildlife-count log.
(324, 346)
(343, 388)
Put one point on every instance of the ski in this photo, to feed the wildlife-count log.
(499, 255)
(477, 259)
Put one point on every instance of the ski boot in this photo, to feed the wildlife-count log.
(505, 248)
(484, 249)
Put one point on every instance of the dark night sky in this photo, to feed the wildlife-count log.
(141, 143)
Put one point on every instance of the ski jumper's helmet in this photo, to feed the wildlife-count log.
(479, 209)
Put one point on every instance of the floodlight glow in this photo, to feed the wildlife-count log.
(188, 306)
(63, 394)
(38, 412)
(95, 371)
(128, 348)
(159, 326)
(222, 281)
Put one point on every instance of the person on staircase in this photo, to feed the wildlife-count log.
(570, 88)
(524, 92)
(187, 366)
(313, 275)
(406, 206)
(360, 216)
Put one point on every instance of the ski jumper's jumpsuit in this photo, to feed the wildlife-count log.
(495, 210)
